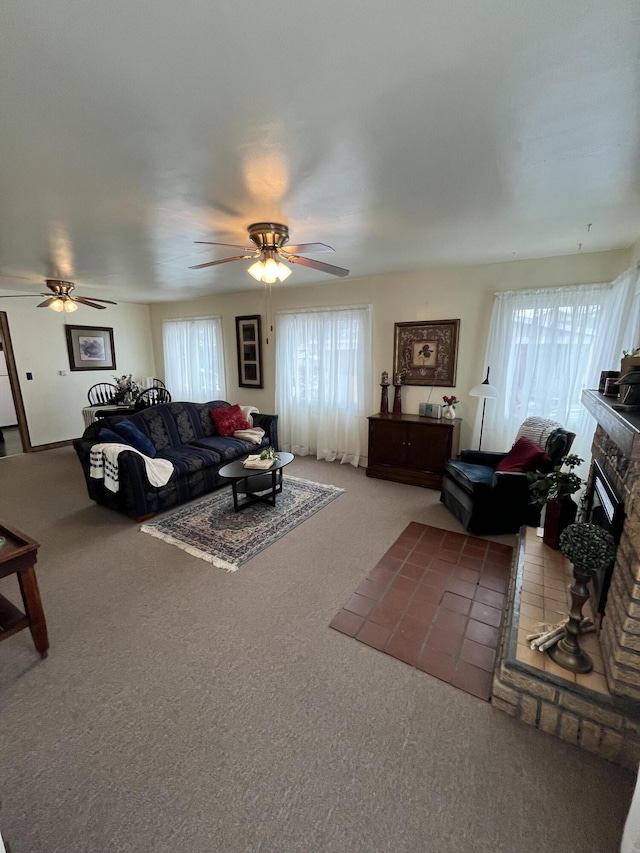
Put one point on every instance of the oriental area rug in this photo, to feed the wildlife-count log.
(434, 601)
(212, 531)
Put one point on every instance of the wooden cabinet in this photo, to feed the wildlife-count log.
(410, 449)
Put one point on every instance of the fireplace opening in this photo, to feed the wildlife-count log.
(604, 508)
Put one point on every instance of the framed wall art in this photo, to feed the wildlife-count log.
(249, 343)
(426, 352)
(90, 348)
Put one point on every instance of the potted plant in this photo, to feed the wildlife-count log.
(450, 406)
(553, 490)
(590, 548)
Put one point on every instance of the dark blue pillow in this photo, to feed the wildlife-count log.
(109, 436)
(135, 438)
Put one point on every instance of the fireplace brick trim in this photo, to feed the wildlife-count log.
(604, 724)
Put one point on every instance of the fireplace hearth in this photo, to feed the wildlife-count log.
(599, 711)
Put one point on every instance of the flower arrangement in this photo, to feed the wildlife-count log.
(587, 546)
(269, 453)
(126, 385)
(450, 401)
(560, 482)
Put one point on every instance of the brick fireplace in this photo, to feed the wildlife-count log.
(616, 447)
(599, 711)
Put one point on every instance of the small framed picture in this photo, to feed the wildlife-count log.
(249, 343)
(426, 352)
(90, 348)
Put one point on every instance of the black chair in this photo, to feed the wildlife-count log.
(158, 383)
(102, 394)
(488, 502)
(151, 397)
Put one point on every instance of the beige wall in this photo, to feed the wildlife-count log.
(433, 294)
(53, 403)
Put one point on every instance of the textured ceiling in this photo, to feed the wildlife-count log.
(403, 134)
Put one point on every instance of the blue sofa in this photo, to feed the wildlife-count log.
(183, 433)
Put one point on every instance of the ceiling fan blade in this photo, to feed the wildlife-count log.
(88, 302)
(228, 245)
(318, 265)
(94, 299)
(46, 302)
(308, 247)
(224, 261)
(20, 295)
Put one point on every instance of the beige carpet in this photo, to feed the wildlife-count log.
(185, 709)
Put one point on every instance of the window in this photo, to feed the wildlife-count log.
(323, 360)
(545, 346)
(194, 359)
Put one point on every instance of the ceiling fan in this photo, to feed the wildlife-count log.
(270, 249)
(60, 298)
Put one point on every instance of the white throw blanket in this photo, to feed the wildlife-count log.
(253, 434)
(247, 411)
(104, 465)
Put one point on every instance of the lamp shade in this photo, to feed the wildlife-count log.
(490, 392)
(484, 390)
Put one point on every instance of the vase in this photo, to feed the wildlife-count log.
(559, 514)
(450, 413)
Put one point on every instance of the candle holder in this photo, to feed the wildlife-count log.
(384, 398)
(397, 400)
(590, 548)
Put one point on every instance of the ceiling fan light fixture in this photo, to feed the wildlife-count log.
(271, 271)
(283, 271)
(57, 305)
(70, 306)
(256, 270)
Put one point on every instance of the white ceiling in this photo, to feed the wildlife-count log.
(405, 135)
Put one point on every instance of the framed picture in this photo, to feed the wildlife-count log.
(249, 343)
(425, 353)
(91, 348)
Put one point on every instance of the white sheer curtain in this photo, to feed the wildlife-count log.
(323, 364)
(194, 359)
(545, 346)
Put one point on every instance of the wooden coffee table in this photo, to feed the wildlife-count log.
(257, 484)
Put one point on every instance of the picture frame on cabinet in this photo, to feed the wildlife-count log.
(426, 352)
(249, 347)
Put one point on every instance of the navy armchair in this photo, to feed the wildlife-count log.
(488, 502)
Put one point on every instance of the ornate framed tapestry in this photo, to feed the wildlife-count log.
(426, 352)
(249, 344)
(90, 347)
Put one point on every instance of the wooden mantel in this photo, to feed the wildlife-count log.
(622, 427)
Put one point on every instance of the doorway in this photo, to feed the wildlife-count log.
(14, 433)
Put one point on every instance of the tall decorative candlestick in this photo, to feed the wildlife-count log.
(397, 400)
(384, 397)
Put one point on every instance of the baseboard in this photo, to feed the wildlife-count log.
(51, 446)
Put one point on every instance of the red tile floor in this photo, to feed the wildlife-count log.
(434, 601)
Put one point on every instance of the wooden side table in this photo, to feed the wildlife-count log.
(18, 555)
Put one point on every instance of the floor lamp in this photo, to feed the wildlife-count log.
(487, 392)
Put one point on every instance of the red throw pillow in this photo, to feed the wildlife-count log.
(228, 419)
(525, 456)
